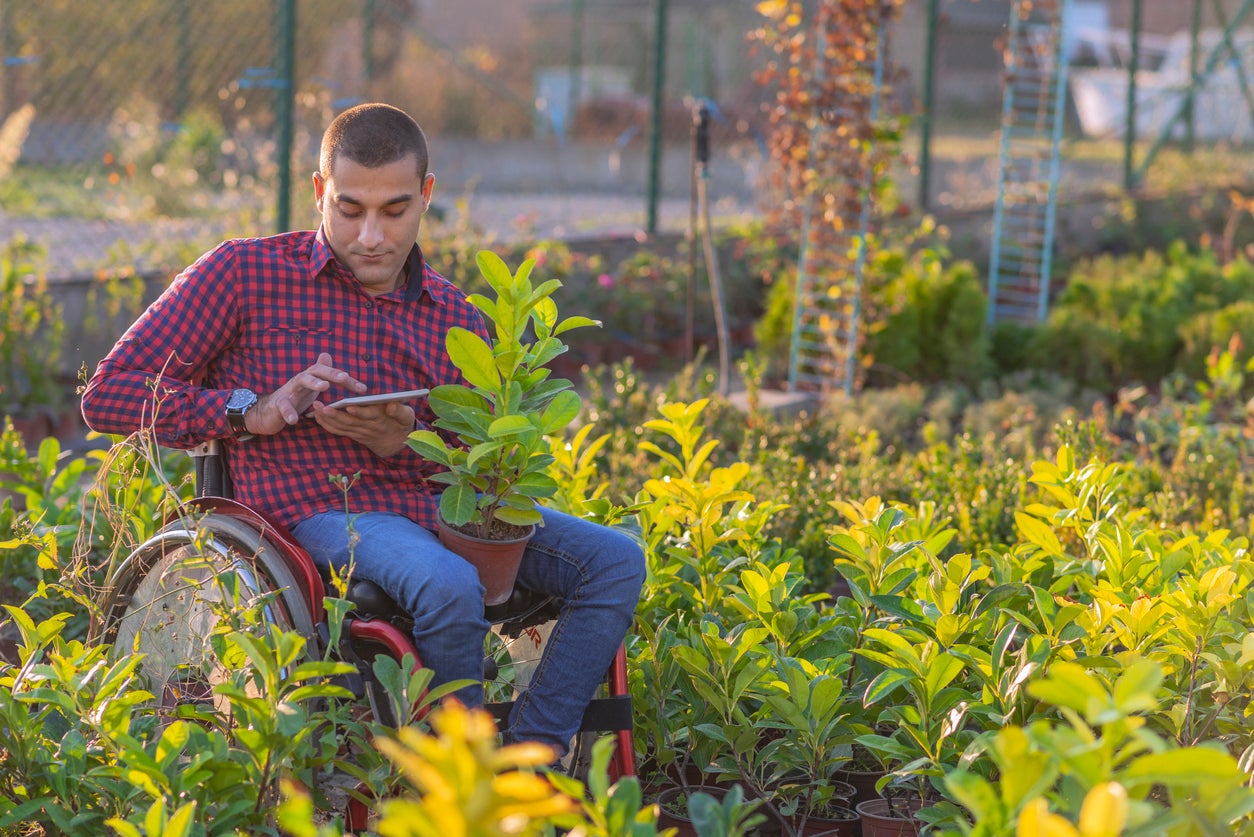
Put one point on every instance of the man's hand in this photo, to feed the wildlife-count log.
(384, 428)
(288, 403)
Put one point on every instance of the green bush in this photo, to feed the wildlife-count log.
(31, 335)
(1210, 331)
(1130, 319)
(929, 322)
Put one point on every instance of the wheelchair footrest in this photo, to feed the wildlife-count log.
(609, 714)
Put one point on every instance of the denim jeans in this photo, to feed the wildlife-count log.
(595, 570)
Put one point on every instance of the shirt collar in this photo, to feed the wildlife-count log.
(321, 255)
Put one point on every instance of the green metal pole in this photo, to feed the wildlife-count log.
(1190, 125)
(1129, 132)
(929, 99)
(576, 61)
(6, 52)
(655, 126)
(285, 87)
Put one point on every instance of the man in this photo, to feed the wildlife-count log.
(249, 345)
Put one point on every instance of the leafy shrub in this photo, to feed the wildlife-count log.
(1125, 320)
(31, 334)
(929, 324)
(1209, 331)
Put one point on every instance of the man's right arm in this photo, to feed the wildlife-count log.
(148, 379)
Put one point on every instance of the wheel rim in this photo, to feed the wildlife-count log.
(179, 588)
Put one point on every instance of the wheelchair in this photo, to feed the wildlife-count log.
(214, 554)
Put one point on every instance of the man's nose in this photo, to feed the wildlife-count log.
(371, 233)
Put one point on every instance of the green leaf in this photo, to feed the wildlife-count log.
(884, 685)
(1037, 532)
(495, 270)
(473, 357)
(447, 399)
(976, 795)
(476, 456)
(536, 485)
(519, 517)
(575, 322)
(509, 426)
(457, 504)
(430, 446)
(1184, 766)
(561, 411)
(1136, 687)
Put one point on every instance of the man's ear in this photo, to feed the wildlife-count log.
(320, 189)
(428, 187)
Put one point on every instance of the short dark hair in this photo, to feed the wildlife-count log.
(373, 135)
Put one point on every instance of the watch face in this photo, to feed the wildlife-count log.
(241, 399)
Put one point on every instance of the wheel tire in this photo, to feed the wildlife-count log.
(169, 596)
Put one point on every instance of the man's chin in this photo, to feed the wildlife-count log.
(374, 275)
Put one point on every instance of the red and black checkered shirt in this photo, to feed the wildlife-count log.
(252, 313)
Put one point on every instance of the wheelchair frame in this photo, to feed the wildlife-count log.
(375, 625)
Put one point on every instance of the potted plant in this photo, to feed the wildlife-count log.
(497, 467)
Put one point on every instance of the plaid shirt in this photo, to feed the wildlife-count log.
(251, 314)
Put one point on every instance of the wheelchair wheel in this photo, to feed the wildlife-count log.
(170, 596)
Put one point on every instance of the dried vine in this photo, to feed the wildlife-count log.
(837, 89)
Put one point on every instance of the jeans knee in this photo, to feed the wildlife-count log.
(452, 594)
(626, 558)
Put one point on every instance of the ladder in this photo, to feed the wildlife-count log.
(828, 299)
(1033, 111)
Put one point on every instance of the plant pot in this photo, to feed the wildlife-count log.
(495, 560)
(878, 820)
(863, 782)
(835, 822)
(672, 806)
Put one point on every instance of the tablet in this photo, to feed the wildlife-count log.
(380, 398)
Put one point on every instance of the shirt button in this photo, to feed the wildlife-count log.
(369, 303)
(365, 355)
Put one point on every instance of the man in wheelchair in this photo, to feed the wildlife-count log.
(251, 342)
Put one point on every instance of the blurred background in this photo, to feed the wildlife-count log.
(138, 132)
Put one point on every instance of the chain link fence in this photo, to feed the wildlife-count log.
(134, 134)
(137, 133)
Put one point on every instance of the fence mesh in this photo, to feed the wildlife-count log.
(137, 133)
(134, 134)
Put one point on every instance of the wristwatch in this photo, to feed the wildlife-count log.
(240, 402)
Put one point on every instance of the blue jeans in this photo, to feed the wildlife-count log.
(595, 570)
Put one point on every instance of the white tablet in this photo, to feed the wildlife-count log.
(380, 398)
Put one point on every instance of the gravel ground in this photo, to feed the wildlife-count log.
(77, 247)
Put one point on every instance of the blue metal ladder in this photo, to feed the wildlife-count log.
(1033, 111)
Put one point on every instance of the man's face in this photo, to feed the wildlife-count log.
(371, 217)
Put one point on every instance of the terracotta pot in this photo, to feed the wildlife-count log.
(672, 804)
(673, 812)
(863, 783)
(877, 821)
(496, 561)
(838, 822)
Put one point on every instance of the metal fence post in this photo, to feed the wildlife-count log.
(655, 127)
(284, 91)
(929, 101)
(7, 97)
(1129, 131)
